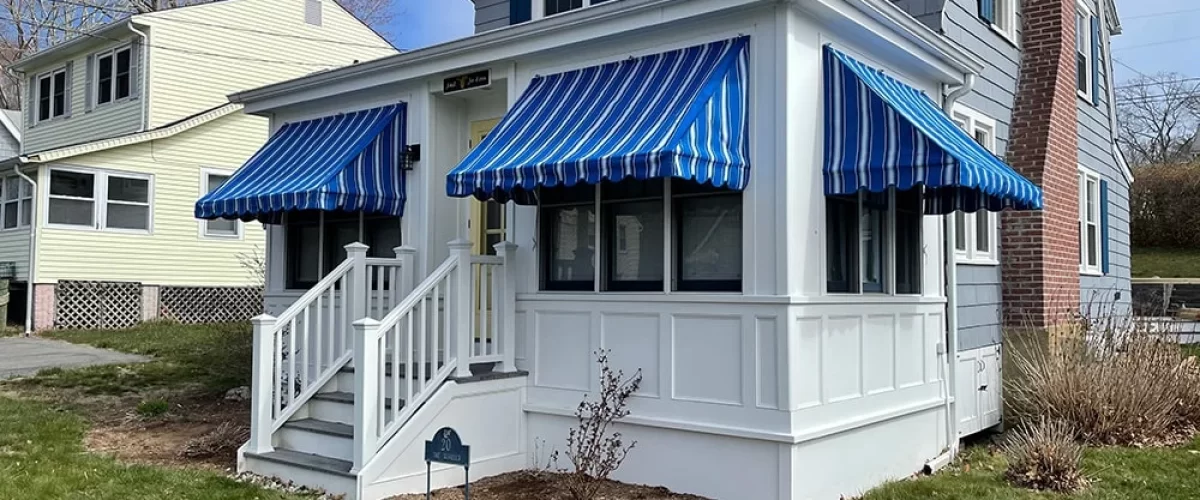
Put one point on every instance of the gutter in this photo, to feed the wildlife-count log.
(31, 279)
(144, 68)
(1110, 82)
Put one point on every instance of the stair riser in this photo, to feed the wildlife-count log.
(344, 382)
(331, 411)
(316, 443)
(332, 483)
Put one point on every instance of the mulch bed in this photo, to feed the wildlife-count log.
(541, 485)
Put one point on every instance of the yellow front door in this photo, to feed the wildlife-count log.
(486, 228)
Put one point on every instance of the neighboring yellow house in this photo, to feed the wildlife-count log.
(123, 130)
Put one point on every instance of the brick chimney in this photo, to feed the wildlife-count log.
(1041, 249)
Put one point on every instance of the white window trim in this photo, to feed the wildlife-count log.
(972, 121)
(20, 199)
(99, 201)
(538, 10)
(95, 83)
(1006, 20)
(37, 95)
(204, 234)
(1086, 174)
(1086, 11)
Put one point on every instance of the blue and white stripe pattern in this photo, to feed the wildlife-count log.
(675, 114)
(346, 162)
(881, 133)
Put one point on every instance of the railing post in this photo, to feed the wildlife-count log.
(261, 381)
(463, 288)
(408, 271)
(506, 305)
(357, 253)
(366, 390)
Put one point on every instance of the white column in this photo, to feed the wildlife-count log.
(408, 269)
(463, 312)
(506, 305)
(261, 385)
(366, 390)
(357, 253)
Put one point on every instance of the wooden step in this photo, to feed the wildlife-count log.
(321, 427)
(307, 461)
(348, 398)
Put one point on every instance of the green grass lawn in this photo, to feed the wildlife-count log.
(1166, 263)
(1116, 474)
(43, 419)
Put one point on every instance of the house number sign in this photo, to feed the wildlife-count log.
(447, 448)
(473, 80)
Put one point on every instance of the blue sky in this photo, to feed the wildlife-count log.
(421, 23)
(1159, 36)
(1150, 42)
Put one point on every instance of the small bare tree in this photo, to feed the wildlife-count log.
(1157, 119)
(255, 264)
(593, 448)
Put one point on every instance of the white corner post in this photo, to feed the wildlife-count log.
(357, 253)
(366, 390)
(262, 390)
(462, 312)
(408, 271)
(506, 305)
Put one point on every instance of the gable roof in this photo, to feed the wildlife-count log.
(162, 132)
(11, 119)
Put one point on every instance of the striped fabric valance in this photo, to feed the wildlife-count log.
(347, 162)
(881, 133)
(675, 114)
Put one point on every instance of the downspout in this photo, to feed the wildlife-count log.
(32, 269)
(950, 346)
(143, 67)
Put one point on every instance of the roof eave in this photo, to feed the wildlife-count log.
(85, 39)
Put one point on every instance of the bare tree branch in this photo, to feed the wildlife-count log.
(1158, 118)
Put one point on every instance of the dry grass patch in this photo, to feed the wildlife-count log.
(1045, 456)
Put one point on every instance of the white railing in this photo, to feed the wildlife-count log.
(434, 333)
(302, 349)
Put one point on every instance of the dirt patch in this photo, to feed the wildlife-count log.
(540, 485)
(163, 440)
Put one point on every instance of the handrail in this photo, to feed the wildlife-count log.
(311, 295)
(492, 260)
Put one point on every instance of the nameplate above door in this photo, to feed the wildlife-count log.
(473, 80)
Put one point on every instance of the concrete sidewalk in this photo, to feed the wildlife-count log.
(21, 356)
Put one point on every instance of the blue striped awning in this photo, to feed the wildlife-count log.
(881, 133)
(346, 162)
(675, 114)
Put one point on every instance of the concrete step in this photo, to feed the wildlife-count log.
(337, 407)
(330, 474)
(318, 437)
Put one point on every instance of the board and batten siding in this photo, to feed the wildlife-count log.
(491, 14)
(247, 45)
(80, 125)
(979, 286)
(174, 253)
(1099, 293)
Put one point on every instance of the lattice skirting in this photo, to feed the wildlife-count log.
(97, 304)
(209, 304)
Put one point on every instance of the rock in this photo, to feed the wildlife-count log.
(238, 394)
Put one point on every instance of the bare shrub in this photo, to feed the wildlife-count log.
(593, 448)
(1114, 380)
(224, 439)
(1044, 455)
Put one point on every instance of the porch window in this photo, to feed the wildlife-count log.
(873, 242)
(18, 203)
(315, 241)
(113, 74)
(100, 200)
(702, 237)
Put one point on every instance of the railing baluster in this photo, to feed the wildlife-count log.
(291, 381)
(304, 348)
(321, 332)
(437, 312)
(422, 344)
(396, 370)
(347, 315)
(493, 315)
(277, 367)
(408, 377)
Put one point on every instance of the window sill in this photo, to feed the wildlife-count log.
(221, 237)
(1091, 272)
(1011, 38)
(109, 104)
(963, 261)
(91, 229)
(1087, 96)
(15, 229)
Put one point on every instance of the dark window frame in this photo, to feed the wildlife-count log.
(892, 258)
(331, 254)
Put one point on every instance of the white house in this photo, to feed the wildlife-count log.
(741, 198)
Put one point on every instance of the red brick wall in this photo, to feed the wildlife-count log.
(1041, 249)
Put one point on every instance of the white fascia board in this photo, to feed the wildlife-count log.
(12, 128)
(583, 26)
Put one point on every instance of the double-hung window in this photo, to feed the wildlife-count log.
(99, 200)
(113, 74)
(51, 94)
(1084, 59)
(544, 8)
(217, 228)
(873, 242)
(16, 211)
(1090, 245)
(1001, 15)
(976, 234)
(641, 235)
